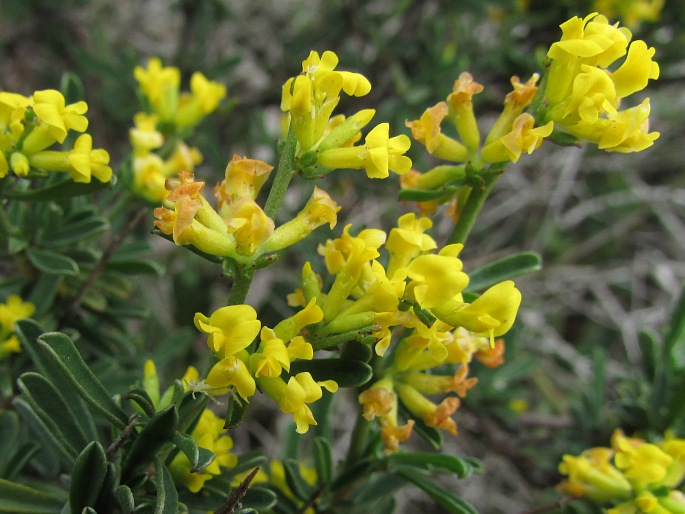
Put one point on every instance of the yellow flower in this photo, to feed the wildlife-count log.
(461, 109)
(524, 137)
(13, 310)
(492, 313)
(427, 131)
(407, 241)
(514, 103)
(632, 12)
(145, 136)
(231, 372)
(248, 223)
(434, 415)
(436, 279)
(592, 475)
(641, 462)
(50, 108)
(379, 155)
(231, 329)
(209, 434)
(205, 97)
(160, 85)
(243, 177)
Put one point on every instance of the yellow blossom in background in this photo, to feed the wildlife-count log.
(12, 311)
(630, 12)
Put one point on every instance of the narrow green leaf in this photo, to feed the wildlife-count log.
(49, 404)
(248, 462)
(76, 231)
(9, 439)
(71, 86)
(323, 459)
(51, 262)
(421, 195)
(21, 458)
(63, 353)
(376, 487)
(159, 431)
(649, 348)
(259, 498)
(199, 457)
(142, 399)
(357, 351)
(346, 372)
(504, 269)
(190, 410)
(124, 497)
(236, 410)
(48, 430)
(357, 472)
(167, 495)
(296, 483)
(452, 503)
(23, 499)
(44, 293)
(87, 477)
(136, 267)
(674, 340)
(433, 462)
(60, 191)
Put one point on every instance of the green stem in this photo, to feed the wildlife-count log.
(358, 441)
(474, 204)
(285, 172)
(241, 285)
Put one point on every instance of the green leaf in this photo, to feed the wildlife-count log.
(296, 483)
(504, 269)
(51, 262)
(452, 503)
(259, 498)
(44, 292)
(87, 477)
(323, 459)
(346, 372)
(136, 267)
(378, 486)
(124, 497)
(433, 462)
(142, 399)
(357, 351)
(77, 231)
(357, 472)
(63, 354)
(190, 411)
(48, 430)
(199, 457)
(236, 410)
(22, 456)
(421, 195)
(20, 498)
(50, 405)
(71, 86)
(160, 430)
(674, 340)
(9, 439)
(56, 192)
(649, 348)
(167, 495)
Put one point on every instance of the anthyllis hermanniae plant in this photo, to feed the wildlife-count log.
(392, 315)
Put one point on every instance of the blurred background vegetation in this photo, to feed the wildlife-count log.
(610, 228)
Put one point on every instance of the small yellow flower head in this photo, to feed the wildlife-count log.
(491, 356)
(378, 401)
(641, 462)
(209, 434)
(86, 161)
(435, 279)
(379, 155)
(13, 108)
(319, 210)
(524, 137)
(593, 476)
(518, 99)
(231, 329)
(436, 384)
(632, 12)
(583, 95)
(243, 177)
(13, 310)
(338, 252)
(50, 108)
(161, 86)
(184, 158)
(205, 97)
(145, 136)
(460, 102)
(493, 313)
(248, 223)
(407, 241)
(19, 164)
(434, 415)
(231, 372)
(272, 356)
(290, 327)
(426, 130)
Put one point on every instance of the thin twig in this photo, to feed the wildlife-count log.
(119, 441)
(100, 268)
(234, 500)
(312, 499)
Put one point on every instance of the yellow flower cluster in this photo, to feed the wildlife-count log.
(583, 95)
(326, 143)
(29, 126)
(11, 311)
(209, 433)
(420, 292)
(239, 229)
(231, 332)
(631, 12)
(159, 151)
(633, 476)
